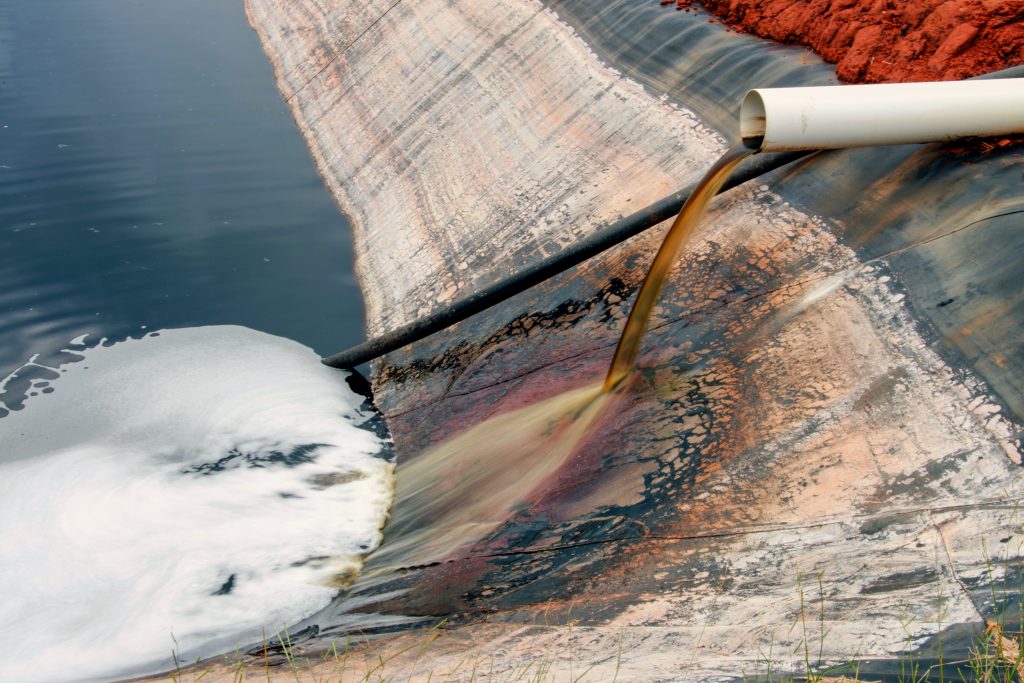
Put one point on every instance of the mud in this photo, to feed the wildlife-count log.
(887, 41)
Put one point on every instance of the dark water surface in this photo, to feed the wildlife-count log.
(150, 175)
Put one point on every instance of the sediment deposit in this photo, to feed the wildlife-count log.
(793, 435)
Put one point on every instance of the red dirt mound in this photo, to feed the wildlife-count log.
(877, 41)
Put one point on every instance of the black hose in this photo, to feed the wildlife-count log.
(602, 239)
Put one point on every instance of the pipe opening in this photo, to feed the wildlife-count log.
(753, 120)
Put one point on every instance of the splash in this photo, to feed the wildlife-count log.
(455, 493)
(205, 483)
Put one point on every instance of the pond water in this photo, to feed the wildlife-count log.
(177, 470)
(150, 175)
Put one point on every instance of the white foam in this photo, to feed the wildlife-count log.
(111, 536)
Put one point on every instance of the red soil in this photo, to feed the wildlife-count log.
(877, 41)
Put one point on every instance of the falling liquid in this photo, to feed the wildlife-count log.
(676, 238)
(458, 491)
(455, 494)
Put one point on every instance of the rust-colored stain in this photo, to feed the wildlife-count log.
(804, 405)
(779, 398)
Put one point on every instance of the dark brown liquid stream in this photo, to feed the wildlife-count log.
(676, 238)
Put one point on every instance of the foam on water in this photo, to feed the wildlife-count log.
(208, 483)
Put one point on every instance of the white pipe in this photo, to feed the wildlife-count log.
(780, 119)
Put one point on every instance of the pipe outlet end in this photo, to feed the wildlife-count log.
(753, 120)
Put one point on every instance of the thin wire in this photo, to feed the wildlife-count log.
(929, 240)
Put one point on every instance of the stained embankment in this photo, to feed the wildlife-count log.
(885, 41)
(830, 387)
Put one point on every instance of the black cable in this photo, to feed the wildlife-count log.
(603, 239)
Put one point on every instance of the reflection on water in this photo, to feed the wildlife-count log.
(194, 487)
(150, 175)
